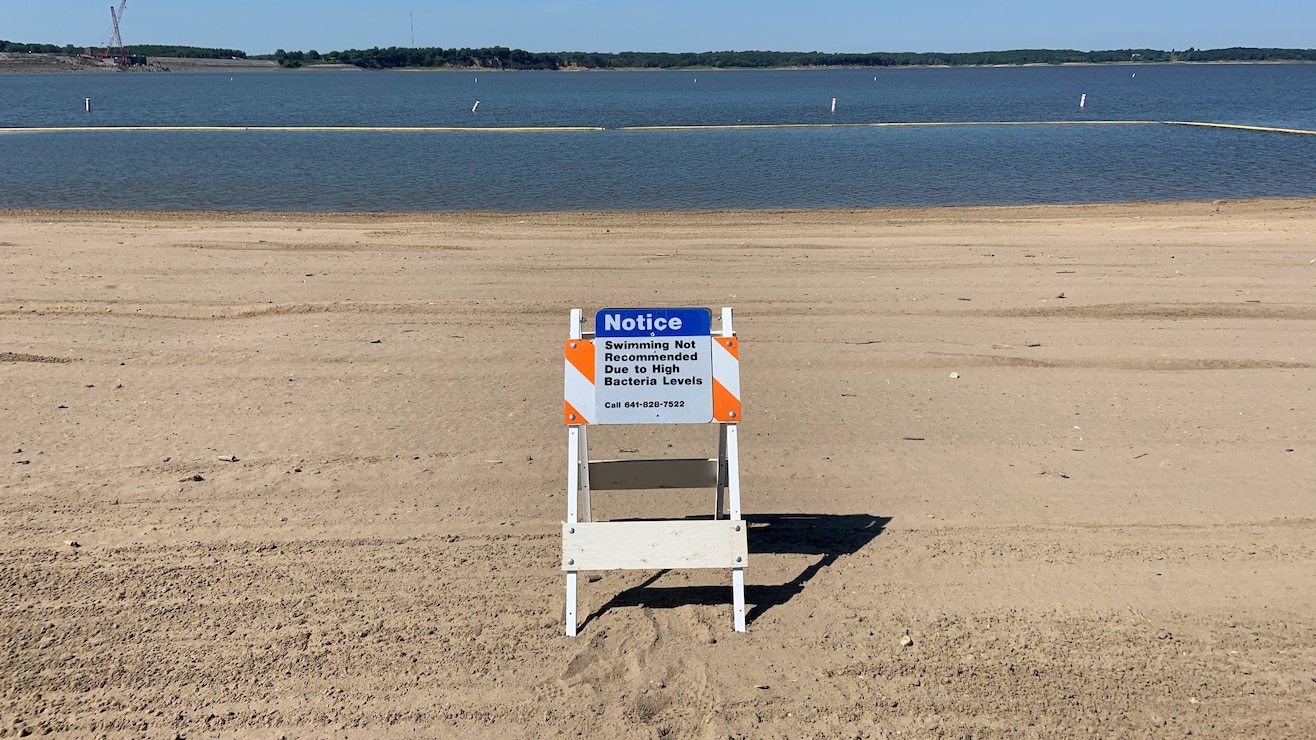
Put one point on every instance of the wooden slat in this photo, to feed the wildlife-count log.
(625, 475)
(654, 545)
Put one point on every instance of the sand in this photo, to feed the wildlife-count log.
(290, 475)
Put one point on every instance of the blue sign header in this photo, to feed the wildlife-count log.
(653, 322)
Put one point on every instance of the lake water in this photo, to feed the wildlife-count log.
(641, 170)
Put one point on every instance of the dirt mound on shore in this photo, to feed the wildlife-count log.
(12, 63)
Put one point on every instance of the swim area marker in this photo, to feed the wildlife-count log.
(560, 129)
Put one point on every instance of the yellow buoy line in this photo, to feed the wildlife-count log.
(887, 124)
(711, 127)
(1240, 127)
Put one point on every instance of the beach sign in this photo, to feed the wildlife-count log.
(653, 366)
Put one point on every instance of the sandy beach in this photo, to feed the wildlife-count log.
(1030, 471)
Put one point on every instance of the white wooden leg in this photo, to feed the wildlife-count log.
(571, 604)
(573, 473)
(738, 597)
(733, 468)
(585, 511)
(720, 502)
(733, 489)
(573, 489)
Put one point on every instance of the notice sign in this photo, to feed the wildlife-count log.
(653, 366)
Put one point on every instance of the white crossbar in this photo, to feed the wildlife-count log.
(653, 545)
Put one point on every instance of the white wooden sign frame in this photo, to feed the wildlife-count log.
(656, 544)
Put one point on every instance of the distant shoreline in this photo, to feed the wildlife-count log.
(817, 68)
(14, 63)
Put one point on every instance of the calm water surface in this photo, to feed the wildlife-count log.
(633, 170)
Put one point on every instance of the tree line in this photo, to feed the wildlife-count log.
(186, 52)
(501, 57)
(144, 50)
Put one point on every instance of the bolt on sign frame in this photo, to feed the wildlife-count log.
(696, 385)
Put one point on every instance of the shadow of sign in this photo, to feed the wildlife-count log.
(828, 536)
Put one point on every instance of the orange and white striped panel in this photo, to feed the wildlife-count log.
(578, 403)
(726, 379)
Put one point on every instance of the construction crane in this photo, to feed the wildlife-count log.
(116, 41)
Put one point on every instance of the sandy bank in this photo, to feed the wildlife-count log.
(1104, 524)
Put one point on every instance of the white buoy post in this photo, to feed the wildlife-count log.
(1083, 100)
(88, 103)
(475, 107)
(833, 105)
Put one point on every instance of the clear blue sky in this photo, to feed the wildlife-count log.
(261, 26)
